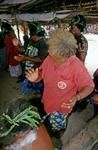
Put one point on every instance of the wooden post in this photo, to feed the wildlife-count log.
(97, 4)
(17, 25)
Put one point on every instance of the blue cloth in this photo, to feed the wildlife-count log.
(58, 121)
(28, 87)
(91, 100)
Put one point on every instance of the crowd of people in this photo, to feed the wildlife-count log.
(57, 63)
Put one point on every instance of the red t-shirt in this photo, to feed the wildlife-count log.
(62, 83)
(11, 51)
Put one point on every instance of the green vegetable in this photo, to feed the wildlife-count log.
(27, 116)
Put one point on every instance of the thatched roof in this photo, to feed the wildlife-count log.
(88, 8)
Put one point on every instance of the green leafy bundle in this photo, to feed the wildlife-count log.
(28, 116)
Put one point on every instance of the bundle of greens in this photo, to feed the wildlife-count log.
(28, 116)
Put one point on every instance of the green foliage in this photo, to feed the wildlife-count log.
(28, 116)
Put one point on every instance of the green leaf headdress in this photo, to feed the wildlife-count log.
(36, 29)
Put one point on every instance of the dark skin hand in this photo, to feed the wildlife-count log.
(82, 56)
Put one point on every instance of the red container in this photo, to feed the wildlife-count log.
(40, 140)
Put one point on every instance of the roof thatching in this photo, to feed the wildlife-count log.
(85, 7)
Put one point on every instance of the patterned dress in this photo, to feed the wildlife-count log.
(82, 45)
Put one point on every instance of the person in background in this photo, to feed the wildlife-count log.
(36, 52)
(2, 52)
(26, 41)
(37, 48)
(77, 25)
(24, 29)
(95, 93)
(13, 65)
(66, 80)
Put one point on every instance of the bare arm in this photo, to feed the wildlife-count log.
(34, 59)
(21, 57)
(83, 48)
(82, 56)
(86, 91)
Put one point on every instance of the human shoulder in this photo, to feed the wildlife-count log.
(83, 39)
(82, 44)
(45, 63)
(42, 41)
(43, 49)
(75, 62)
(46, 60)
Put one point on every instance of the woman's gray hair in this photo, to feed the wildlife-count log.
(62, 43)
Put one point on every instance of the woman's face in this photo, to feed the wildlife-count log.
(33, 37)
(75, 30)
(57, 60)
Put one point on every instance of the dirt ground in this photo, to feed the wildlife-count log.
(9, 89)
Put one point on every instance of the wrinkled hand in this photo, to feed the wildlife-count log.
(32, 75)
(19, 57)
(70, 104)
